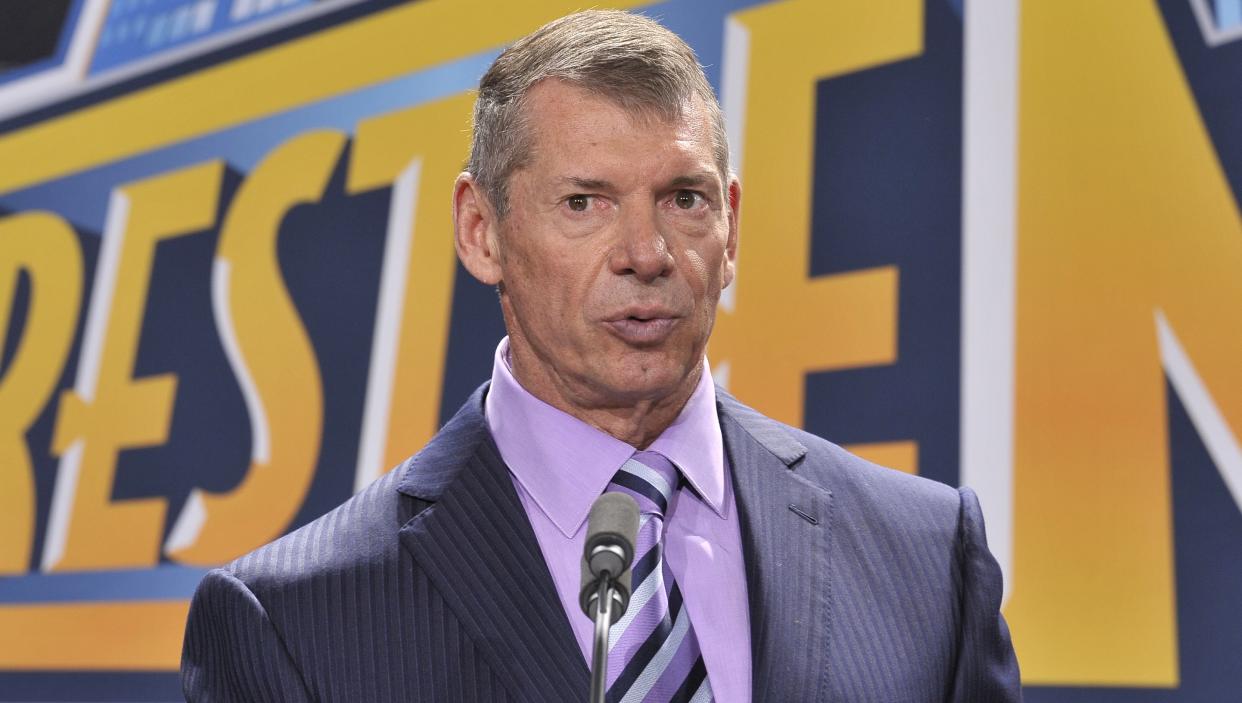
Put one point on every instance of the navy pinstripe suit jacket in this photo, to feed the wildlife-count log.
(430, 586)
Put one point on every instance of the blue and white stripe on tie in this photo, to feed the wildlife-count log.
(653, 654)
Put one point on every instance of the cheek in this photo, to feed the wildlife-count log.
(704, 268)
(553, 287)
(698, 272)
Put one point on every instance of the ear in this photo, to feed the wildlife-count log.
(474, 230)
(735, 206)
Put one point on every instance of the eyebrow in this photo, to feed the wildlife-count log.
(588, 183)
(699, 180)
(695, 180)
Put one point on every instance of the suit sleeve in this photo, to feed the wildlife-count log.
(232, 652)
(987, 669)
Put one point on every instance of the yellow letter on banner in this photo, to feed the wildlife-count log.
(418, 153)
(1125, 219)
(108, 410)
(272, 357)
(46, 248)
(831, 322)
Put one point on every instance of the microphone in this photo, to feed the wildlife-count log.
(612, 529)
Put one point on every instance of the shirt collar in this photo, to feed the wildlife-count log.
(564, 464)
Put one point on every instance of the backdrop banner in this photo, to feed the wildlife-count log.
(994, 243)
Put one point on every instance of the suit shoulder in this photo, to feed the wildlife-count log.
(884, 489)
(360, 531)
(858, 470)
(873, 497)
(363, 531)
(828, 464)
(868, 494)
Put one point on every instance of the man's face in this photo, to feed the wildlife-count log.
(619, 239)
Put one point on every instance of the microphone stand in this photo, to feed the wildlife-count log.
(612, 529)
(603, 622)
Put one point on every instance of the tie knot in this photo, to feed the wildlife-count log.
(651, 478)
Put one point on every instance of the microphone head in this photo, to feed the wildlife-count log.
(612, 529)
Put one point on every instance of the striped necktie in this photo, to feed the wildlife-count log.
(653, 654)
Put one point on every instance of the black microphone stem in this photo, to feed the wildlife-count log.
(603, 621)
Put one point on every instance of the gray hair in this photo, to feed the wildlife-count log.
(628, 59)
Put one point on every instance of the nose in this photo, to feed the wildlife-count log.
(641, 250)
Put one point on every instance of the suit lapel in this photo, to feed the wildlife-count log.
(476, 545)
(786, 554)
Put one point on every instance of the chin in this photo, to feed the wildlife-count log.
(647, 381)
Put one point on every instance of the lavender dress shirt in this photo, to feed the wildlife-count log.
(560, 465)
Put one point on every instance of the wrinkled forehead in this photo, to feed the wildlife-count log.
(571, 126)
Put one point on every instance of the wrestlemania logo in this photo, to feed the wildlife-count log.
(991, 243)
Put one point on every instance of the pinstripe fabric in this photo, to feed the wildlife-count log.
(427, 586)
(890, 595)
(430, 586)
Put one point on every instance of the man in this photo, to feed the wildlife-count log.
(772, 565)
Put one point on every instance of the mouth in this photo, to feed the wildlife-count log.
(643, 327)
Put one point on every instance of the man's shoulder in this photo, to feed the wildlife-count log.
(361, 531)
(861, 488)
(364, 530)
(881, 495)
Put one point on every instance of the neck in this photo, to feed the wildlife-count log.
(637, 425)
